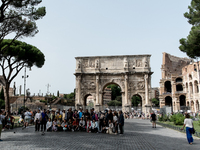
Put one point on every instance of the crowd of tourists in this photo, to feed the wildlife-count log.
(77, 120)
(96, 122)
(135, 114)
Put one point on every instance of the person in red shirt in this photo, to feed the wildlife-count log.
(75, 125)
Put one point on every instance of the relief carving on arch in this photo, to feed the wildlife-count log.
(138, 63)
(79, 64)
(125, 63)
(132, 85)
(140, 85)
(88, 85)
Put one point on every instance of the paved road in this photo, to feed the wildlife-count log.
(138, 136)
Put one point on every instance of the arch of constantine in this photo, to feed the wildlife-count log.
(132, 73)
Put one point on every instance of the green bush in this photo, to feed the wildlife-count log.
(163, 118)
(160, 118)
(177, 119)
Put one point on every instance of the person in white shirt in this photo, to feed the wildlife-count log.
(27, 118)
(37, 120)
(188, 123)
(94, 126)
(49, 125)
(115, 123)
(82, 124)
(110, 128)
(1, 119)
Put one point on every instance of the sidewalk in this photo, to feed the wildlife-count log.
(139, 135)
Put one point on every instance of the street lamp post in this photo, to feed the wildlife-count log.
(25, 76)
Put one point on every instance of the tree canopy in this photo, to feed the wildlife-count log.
(14, 58)
(191, 44)
(19, 18)
(155, 101)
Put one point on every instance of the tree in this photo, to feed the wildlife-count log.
(155, 101)
(135, 100)
(70, 96)
(18, 18)
(116, 91)
(114, 103)
(191, 45)
(17, 56)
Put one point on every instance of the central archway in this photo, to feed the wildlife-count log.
(112, 96)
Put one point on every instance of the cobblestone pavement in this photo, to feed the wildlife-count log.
(139, 135)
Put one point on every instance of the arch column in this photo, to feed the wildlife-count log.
(126, 104)
(146, 89)
(97, 93)
(78, 82)
(126, 89)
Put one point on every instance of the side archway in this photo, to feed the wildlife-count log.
(136, 102)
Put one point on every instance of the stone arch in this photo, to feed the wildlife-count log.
(197, 105)
(105, 85)
(84, 97)
(191, 87)
(195, 67)
(179, 80)
(168, 87)
(168, 101)
(190, 77)
(196, 87)
(182, 100)
(140, 105)
(179, 87)
(186, 86)
(192, 106)
(188, 104)
(129, 72)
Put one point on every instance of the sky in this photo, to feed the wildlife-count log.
(74, 28)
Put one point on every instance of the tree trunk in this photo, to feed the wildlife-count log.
(7, 98)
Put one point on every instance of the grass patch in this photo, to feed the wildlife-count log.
(16, 118)
(196, 125)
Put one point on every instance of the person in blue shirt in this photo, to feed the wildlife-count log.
(80, 114)
(44, 120)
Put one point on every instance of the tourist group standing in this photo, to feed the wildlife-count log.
(96, 122)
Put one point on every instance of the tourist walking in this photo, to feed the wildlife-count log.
(27, 118)
(1, 119)
(153, 119)
(188, 123)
